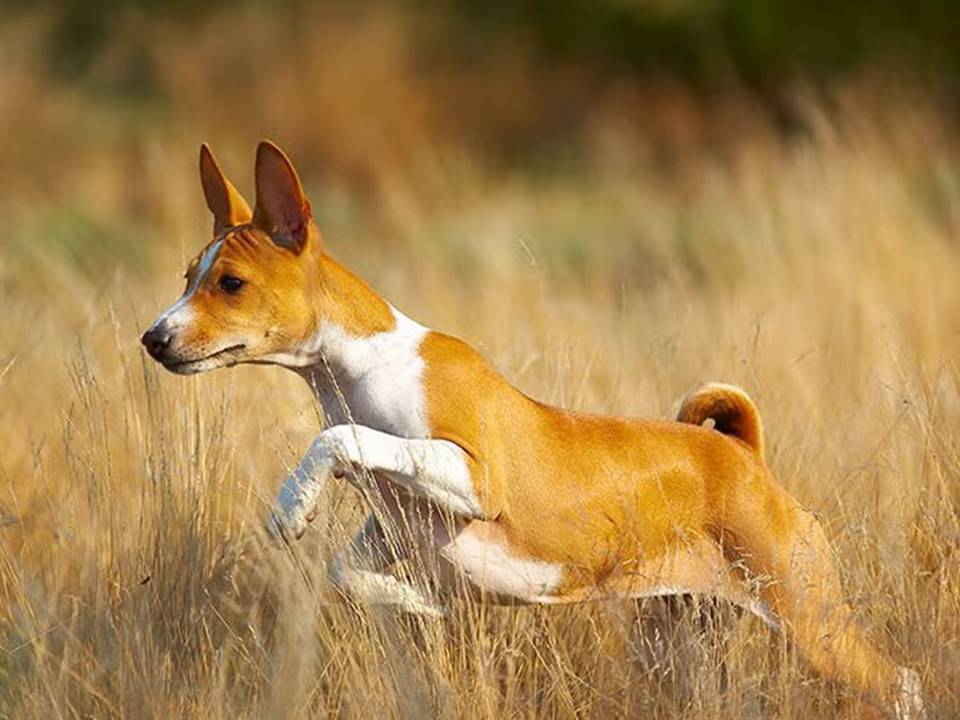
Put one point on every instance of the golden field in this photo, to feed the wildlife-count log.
(819, 269)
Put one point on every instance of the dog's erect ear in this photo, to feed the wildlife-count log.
(282, 209)
(227, 205)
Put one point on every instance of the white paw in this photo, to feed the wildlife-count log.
(339, 442)
(296, 504)
(425, 610)
(909, 704)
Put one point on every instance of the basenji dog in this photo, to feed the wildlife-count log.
(537, 504)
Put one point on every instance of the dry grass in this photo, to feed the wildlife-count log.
(821, 274)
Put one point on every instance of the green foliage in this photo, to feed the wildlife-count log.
(86, 243)
(760, 43)
(763, 42)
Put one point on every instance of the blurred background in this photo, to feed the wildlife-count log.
(367, 95)
(613, 199)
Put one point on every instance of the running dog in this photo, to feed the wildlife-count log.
(529, 503)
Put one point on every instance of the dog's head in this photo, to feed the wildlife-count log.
(248, 292)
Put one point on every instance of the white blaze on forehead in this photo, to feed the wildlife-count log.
(179, 314)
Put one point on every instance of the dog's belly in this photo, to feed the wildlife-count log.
(454, 550)
(480, 554)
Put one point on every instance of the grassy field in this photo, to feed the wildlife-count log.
(820, 271)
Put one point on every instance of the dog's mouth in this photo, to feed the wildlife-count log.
(220, 358)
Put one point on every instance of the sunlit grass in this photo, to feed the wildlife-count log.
(820, 273)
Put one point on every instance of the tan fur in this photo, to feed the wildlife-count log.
(729, 408)
(624, 506)
(627, 506)
(225, 202)
(291, 284)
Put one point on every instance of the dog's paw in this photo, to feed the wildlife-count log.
(909, 703)
(432, 611)
(296, 504)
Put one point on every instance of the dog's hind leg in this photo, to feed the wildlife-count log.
(804, 592)
(680, 640)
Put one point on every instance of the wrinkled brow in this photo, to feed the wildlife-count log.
(248, 242)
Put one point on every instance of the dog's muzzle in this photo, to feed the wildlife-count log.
(156, 340)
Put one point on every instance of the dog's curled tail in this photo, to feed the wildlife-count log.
(730, 408)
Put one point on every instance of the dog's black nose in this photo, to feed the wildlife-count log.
(156, 340)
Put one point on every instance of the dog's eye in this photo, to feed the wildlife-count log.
(230, 284)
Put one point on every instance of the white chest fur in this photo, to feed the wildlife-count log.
(376, 380)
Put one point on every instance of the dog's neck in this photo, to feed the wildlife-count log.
(363, 363)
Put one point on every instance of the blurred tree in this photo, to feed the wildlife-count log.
(763, 42)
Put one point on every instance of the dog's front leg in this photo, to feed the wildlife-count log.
(436, 470)
(360, 571)
(297, 500)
